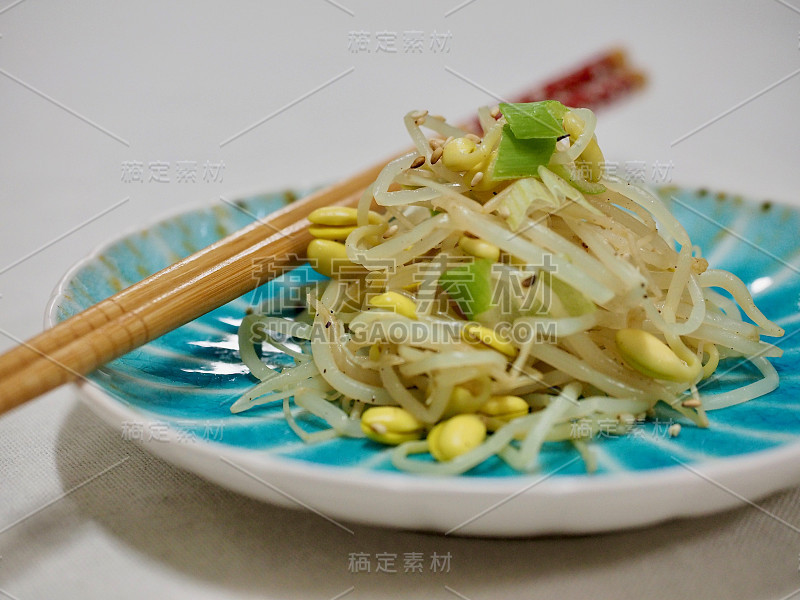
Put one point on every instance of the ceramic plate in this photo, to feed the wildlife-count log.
(173, 396)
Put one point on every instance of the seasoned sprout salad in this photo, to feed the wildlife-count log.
(495, 292)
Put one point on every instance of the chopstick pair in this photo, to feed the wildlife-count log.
(232, 266)
(168, 299)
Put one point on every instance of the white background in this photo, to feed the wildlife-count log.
(87, 86)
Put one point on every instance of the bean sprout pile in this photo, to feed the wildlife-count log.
(495, 292)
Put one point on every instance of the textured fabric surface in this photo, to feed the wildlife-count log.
(144, 528)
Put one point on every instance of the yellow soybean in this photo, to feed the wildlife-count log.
(327, 256)
(456, 436)
(390, 425)
(478, 334)
(398, 303)
(645, 353)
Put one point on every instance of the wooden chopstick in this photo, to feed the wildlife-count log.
(162, 282)
(162, 302)
(229, 268)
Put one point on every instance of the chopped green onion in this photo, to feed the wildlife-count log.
(519, 196)
(573, 301)
(521, 157)
(528, 139)
(541, 120)
(470, 286)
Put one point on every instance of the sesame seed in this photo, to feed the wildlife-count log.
(435, 143)
(436, 155)
(378, 428)
(495, 112)
(448, 140)
(438, 117)
(674, 429)
(418, 162)
(419, 114)
(691, 403)
(477, 179)
(473, 137)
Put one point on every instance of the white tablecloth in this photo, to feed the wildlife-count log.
(89, 89)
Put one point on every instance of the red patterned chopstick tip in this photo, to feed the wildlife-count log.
(596, 82)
